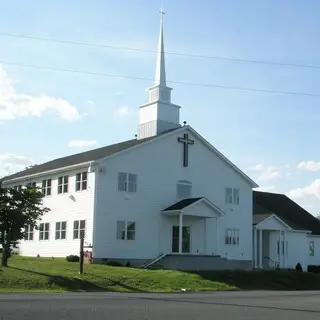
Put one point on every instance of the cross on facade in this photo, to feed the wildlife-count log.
(186, 141)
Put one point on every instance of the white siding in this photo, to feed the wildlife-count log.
(63, 208)
(298, 249)
(158, 166)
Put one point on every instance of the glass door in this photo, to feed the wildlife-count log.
(185, 239)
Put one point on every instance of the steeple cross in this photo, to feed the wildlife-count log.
(186, 141)
(162, 13)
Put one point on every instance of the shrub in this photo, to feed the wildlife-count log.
(73, 258)
(314, 269)
(128, 264)
(298, 267)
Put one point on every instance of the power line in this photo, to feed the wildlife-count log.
(191, 55)
(149, 79)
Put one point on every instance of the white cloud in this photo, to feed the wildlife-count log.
(310, 191)
(123, 112)
(15, 105)
(10, 163)
(82, 143)
(309, 165)
(266, 188)
(267, 173)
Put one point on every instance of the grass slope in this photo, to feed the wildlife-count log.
(44, 274)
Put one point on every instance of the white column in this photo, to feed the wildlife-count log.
(280, 247)
(180, 232)
(205, 236)
(217, 237)
(260, 248)
(255, 248)
(285, 249)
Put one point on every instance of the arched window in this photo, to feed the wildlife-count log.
(184, 189)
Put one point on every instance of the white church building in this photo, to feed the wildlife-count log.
(166, 197)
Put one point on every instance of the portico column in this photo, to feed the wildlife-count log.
(284, 249)
(260, 248)
(255, 247)
(205, 236)
(280, 247)
(180, 232)
(217, 237)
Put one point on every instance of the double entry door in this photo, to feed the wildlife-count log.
(186, 240)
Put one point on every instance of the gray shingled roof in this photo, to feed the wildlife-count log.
(257, 218)
(91, 155)
(182, 204)
(286, 209)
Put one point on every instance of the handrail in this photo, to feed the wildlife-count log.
(153, 261)
(275, 263)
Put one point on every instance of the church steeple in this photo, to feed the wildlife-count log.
(159, 114)
(160, 78)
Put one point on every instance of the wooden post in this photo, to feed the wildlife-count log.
(81, 255)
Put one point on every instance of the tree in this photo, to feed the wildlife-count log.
(30, 166)
(18, 209)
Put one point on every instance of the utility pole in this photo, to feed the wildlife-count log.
(81, 255)
(82, 246)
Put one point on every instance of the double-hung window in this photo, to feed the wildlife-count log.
(232, 236)
(61, 230)
(81, 181)
(63, 184)
(46, 187)
(127, 182)
(232, 196)
(126, 230)
(79, 229)
(29, 233)
(44, 231)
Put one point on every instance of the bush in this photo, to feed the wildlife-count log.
(73, 258)
(314, 269)
(298, 267)
(128, 264)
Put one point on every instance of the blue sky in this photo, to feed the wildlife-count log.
(272, 137)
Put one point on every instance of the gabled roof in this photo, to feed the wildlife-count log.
(83, 157)
(182, 204)
(190, 202)
(267, 203)
(111, 150)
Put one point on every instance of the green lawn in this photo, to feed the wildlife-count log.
(46, 274)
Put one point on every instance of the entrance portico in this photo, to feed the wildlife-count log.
(270, 245)
(182, 233)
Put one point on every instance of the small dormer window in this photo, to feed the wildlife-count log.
(184, 189)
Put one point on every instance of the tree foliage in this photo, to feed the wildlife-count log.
(18, 209)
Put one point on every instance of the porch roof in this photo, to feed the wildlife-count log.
(185, 206)
(287, 209)
(259, 218)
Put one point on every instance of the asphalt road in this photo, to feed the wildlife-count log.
(118, 306)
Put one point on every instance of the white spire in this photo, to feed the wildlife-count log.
(160, 78)
(158, 115)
